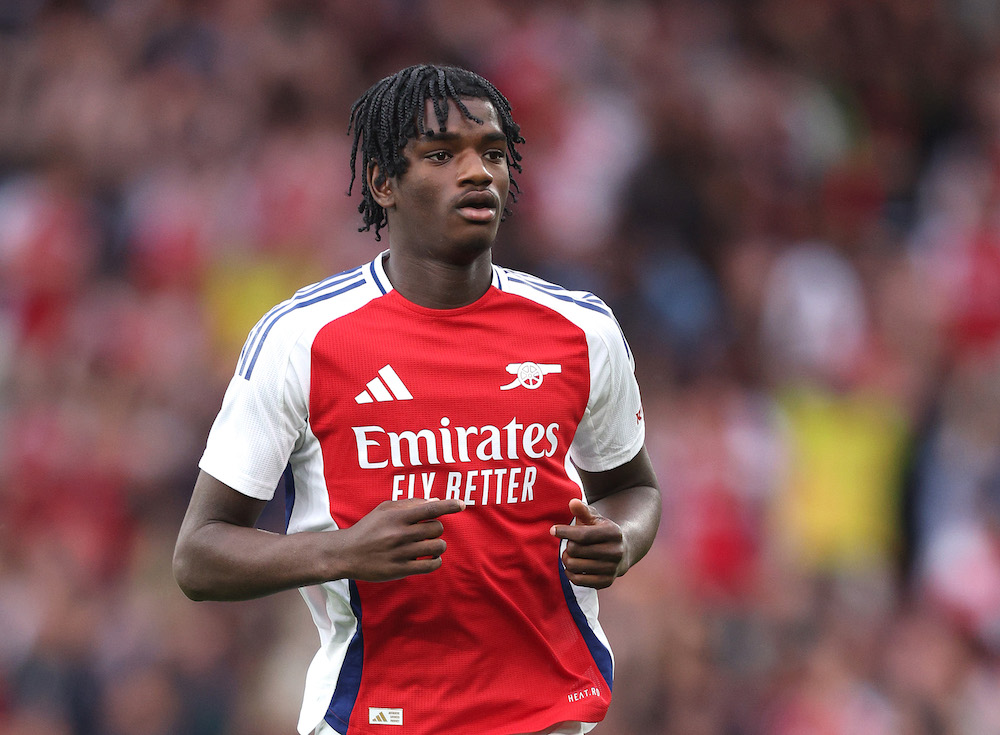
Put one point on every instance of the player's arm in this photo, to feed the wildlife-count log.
(617, 528)
(221, 556)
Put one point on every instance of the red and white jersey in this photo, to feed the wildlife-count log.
(358, 396)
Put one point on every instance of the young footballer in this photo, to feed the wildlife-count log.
(462, 447)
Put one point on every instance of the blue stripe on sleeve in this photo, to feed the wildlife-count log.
(289, 494)
(557, 292)
(290, 307)
(253, 341)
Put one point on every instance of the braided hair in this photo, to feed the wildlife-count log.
(391, 112)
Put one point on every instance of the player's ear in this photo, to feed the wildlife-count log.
(380, 186)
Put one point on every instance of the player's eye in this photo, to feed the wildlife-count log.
(496, 155)
(438, 156)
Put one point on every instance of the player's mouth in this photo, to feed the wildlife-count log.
(478, 206)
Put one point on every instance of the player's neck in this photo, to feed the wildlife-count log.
(436, 284)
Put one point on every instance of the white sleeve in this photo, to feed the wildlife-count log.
(263, 415)
(613, 428)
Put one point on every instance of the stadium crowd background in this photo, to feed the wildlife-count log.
(792, 205)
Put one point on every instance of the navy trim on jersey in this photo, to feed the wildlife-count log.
(289, 479)
(557, 292)
(298, 296)
(374, 272)
(587, 301)
(602, 656)
(273, 318)
(345, 695)
(326, 282)
(544, 285)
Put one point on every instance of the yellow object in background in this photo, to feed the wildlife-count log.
(839, 507)
(240, 291)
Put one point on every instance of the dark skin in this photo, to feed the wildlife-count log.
(443, 214)
(439, 258)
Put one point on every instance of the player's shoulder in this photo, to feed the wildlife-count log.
(579, 306)
(587, 311)
(307, 310)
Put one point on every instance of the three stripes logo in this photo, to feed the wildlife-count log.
(385, 716)
(386, 387)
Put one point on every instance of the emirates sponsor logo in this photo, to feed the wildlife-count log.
(446, 444)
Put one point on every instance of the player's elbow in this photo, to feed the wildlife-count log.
(186, 572)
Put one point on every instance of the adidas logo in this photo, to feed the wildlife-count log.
(386, 387)
(385, 716)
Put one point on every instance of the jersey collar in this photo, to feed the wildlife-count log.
(376, 271)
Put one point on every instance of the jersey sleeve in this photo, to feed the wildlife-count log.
(612, 430)
(262, 418)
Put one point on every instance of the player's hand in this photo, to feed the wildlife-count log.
(595, 548)
(397, 539)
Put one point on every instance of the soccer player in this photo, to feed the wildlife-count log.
(462, 447)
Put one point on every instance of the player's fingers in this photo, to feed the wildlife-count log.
(595, 581)
(421, 566)
(397, 505)
(577, 565)
(425, 510)
(584, 514)
(602, 552)
(597, 534)
(420, 549)
(420, 531)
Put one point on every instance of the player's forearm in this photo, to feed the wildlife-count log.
(636, 510)
(629, 496)
(220, 561)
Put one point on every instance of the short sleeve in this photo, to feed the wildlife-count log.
(612, 430)
(263, 415)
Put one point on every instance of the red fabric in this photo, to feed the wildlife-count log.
(490, 631)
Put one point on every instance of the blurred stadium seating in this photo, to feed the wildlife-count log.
(793, 207)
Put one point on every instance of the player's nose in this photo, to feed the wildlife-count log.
(473, 169)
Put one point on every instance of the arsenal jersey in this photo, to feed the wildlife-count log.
(359, 396)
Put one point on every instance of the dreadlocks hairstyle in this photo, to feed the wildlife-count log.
(391, 112)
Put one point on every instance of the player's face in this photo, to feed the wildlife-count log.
(452, 195)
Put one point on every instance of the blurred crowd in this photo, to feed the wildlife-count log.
(793, 207)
